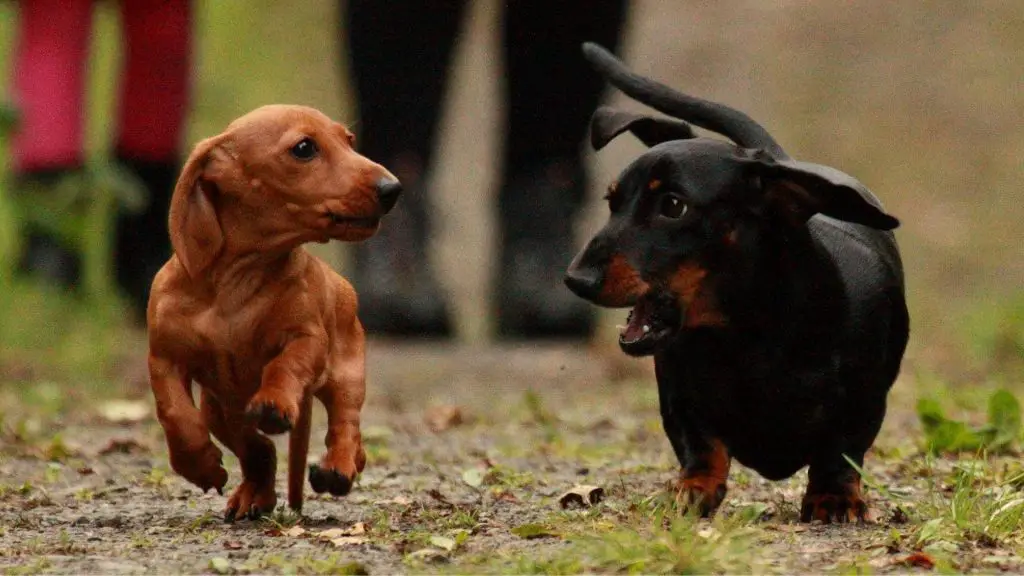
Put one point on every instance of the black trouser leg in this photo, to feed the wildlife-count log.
(399, 59)
(551, 93)
(142, 244)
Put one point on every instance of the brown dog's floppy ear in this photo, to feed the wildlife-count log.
(195, 229)
(802, 189)
(607, 123)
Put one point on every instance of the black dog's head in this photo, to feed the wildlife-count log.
(690, 207)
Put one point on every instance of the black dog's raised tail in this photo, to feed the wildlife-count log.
(727, 121)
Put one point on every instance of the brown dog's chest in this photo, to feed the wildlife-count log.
(219, 359)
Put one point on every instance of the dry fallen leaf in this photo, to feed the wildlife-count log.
(398, 500)
(582, 495)
(233, 545)
(348, 541)
(123, 446)
(294, 532)
(918, 560)
(333, 533)
(125, 411)
(443, 417)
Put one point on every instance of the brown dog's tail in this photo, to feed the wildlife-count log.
(298, 448)
(729, 122)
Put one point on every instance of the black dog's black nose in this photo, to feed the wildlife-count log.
(388, 191)
(584, 282)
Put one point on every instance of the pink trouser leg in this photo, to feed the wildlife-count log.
(49, 83)
(155, 83)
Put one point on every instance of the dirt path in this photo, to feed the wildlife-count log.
(82, 494)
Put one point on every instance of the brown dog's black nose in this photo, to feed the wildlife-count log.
(584, 282)
(388, 191)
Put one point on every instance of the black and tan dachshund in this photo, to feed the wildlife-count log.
(770, 292)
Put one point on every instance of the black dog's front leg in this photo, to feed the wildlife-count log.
(834, 486)
(834, 491)
(704, 461)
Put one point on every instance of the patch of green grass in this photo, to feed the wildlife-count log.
(980, 504)
(678, 544)
(315, 563)
(36, 566)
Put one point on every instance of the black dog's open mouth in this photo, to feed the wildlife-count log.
(652, 322)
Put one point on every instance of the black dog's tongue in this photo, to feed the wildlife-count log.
(638, 324)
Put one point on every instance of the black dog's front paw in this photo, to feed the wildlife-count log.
(828, 508)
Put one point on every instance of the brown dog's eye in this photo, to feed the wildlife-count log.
(305, 150)
(672, 206)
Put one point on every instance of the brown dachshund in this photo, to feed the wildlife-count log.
(259, 323)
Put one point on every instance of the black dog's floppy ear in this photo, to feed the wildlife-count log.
(802, 189)
(607, 123)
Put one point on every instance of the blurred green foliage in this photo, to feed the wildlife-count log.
(921, 101)
(1000, 434)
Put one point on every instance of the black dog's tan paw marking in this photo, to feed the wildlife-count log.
(701, 493)
(828, 508)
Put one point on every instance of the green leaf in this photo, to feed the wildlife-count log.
(531, 531)
(220, 565)
(473, 476)
(1004, 417)
(443, 542)
(930, 413)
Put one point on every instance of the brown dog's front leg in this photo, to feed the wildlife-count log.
(275, 406)
(192, 453)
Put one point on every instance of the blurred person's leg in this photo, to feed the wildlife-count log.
(49, 91)
(153, 108)
(551, 94)
(399, 54)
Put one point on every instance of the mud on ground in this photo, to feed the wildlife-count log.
(470, 450)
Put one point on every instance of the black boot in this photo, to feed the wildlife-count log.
(142, 244)
(398, 293)
(45, 255)
(537, 211)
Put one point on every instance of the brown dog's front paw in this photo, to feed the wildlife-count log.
(201, 467)
(843, 507)
(324, 479)
(251, 500)
(701, 493)
(270, 416)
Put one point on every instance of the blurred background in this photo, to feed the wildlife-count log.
(922, 101)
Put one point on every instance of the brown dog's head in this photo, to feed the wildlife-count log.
(278, 177)
(692, 211)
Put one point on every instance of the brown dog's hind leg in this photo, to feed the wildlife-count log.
(342, 395)
(255, 496)
(702, 482)
(834, 492)
(192, 453)
(298, 448)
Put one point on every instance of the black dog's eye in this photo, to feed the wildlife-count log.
(305, 150)
(672, 206)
